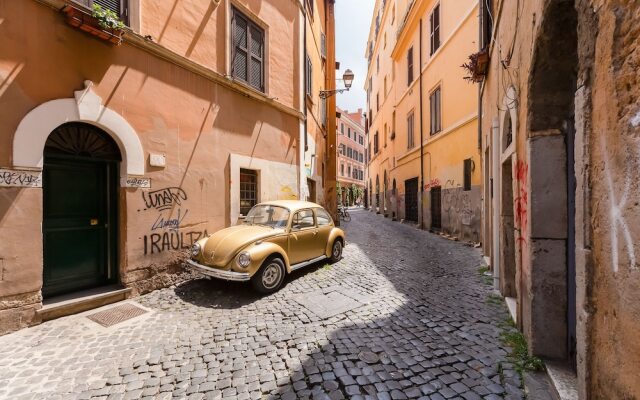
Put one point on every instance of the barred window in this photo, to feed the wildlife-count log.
(248, 190)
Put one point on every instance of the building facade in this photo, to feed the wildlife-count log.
(560, 127)
(114, 159)
(352, 150)
(424, 163)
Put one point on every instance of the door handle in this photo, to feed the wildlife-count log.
(93, 221)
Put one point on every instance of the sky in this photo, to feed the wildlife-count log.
(353, 18)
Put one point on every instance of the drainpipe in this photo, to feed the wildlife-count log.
(421, 137)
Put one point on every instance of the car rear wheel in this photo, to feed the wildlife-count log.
(270, 276)
(336, 251)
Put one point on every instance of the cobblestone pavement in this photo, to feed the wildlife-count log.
(403, 315)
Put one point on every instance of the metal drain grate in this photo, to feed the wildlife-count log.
(116, 315)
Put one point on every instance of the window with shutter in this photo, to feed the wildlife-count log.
(120, 7)
(309, 73)
(410, 131)
(410, 66)
(323, 45)
(435, 29)
(435, 111)
(247, 57)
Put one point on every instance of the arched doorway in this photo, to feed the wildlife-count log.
(80, 213)
(378, 193)
(385, 194)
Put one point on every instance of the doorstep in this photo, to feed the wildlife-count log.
(512, 305)
(564, 380)
(84, 300)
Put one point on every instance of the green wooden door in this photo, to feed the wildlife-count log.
(79, 222)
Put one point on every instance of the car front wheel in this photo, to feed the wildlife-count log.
(270, 276)
(336, 251)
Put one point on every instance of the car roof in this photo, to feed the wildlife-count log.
(292, 205)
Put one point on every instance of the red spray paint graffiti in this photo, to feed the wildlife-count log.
(521, 171)
(434, 183)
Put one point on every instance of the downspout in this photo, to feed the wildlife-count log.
(304, 89)
(421, 137)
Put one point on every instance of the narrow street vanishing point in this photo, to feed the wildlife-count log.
(404, 314)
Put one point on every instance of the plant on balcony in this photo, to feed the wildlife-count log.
(101, 22)
(477, 66)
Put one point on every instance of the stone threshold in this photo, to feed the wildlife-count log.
(77, 302)
(564, 380)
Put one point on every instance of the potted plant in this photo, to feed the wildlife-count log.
(477, 66)
(101, 22)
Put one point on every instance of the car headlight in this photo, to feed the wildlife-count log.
(244, 259)
(195, 249)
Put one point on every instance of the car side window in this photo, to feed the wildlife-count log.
(323, 217)
(303, 219)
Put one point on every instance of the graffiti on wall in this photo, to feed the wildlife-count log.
(433, 183)
(521, 201)
(17, 178)
(164, 199)
(165, 233)
(617, 219)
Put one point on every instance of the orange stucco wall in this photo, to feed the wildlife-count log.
(196, 123)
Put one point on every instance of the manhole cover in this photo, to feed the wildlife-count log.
(116, 315)
(368, 357)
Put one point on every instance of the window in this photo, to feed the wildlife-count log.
(377, 101)
(323, 45)
(303, 219)
(309, 4)
(349, 170)
(342, 169)
(435, 29)
(248, 190)
(377, 64)
(410, 66)
(468, 163)
(119, 7)
(375, 143)
(349, 152)
(410, 131)
(385, 40)
(434, 109)
(247, 51)
(323, 217)
(349, 132)
(342, 128)
(486, 23)
(309, 76)
(385, 86)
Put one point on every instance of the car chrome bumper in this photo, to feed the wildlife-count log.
(218, 273)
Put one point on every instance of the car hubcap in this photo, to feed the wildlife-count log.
(271, 276)
(337, 249)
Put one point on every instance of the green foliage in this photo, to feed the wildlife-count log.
(487, 279)
(107, 18)
(520, 352)
(494, 299)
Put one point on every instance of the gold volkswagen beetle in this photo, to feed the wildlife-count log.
(276, 238)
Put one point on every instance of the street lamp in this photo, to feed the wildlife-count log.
(347, 78)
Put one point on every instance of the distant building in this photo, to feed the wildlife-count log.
(352, 150)
(424, 163)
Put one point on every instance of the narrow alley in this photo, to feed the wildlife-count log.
(405, 314)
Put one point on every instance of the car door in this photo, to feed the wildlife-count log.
(325, 225)
(303, 237)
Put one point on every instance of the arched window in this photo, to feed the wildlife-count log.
(393, 187)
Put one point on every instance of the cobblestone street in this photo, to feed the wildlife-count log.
(405, 314)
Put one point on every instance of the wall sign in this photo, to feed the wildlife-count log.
(20, 178)
(136, 182)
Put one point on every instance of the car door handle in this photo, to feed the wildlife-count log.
(315, 233)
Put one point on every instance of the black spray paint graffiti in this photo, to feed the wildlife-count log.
(171, 240)
(164, 199)
(172, 224)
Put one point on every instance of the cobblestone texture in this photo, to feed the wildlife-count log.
(416, 311)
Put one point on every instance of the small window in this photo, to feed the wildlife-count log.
(323, 45)
(309, 76)
(375, 143)
(247, 51)
(302, 220)
(349, 133)
(435, 29)
(323, 217)
(377, 101)
(377, 64)
(435, 111)
(410, 66)
(410, 131)
(468, 166)
(342, 128)
(248, 190)
(119, 7)
(342, 169)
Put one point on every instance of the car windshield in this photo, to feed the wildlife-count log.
(267, 215)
